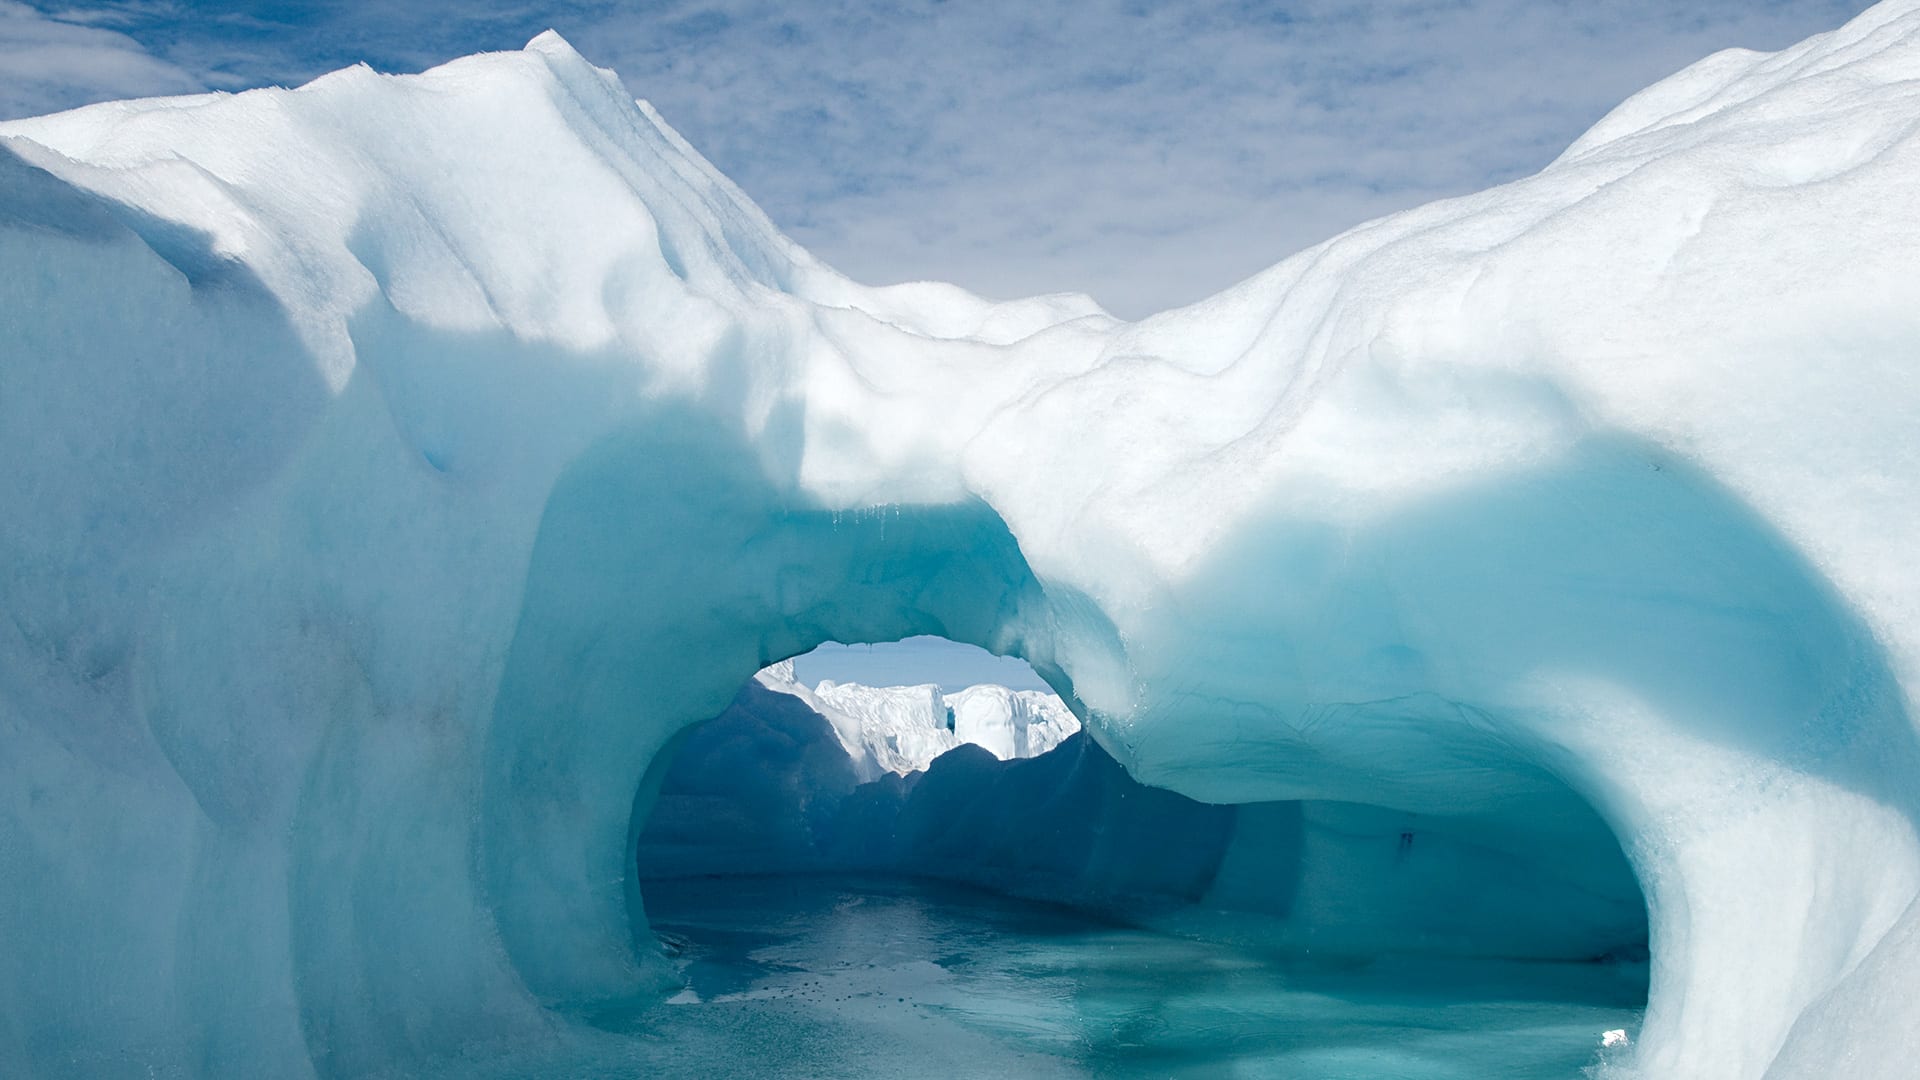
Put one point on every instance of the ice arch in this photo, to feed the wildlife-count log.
(1500, 658)
(632, 631)
(396, 463)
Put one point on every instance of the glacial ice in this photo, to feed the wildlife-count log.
(397, 466)
(901, 729)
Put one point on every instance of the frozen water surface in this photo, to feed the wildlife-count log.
(862, 976)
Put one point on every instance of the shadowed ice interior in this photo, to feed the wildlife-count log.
(962, 874)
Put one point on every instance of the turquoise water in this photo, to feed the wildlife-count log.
(832, 977)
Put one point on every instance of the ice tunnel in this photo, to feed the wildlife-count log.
(398, 466)
(779, 784)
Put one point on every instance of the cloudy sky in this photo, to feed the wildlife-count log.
(1147, 154)
(913, 661)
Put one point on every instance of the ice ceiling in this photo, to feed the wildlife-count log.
(397, 465)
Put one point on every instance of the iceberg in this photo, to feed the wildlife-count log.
(901, 729)
(397, 467)
(790, 778)
(1010, 724)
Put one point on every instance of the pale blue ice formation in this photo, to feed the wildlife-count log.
(396, 466)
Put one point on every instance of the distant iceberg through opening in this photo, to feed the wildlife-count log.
(811, 774)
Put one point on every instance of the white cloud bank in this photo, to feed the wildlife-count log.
(48, 64)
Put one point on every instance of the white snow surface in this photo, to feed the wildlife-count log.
(901, 729)
(397, 464)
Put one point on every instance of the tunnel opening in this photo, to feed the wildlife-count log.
(1438, 735)
(844, 846)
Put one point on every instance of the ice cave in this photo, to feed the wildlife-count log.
(405, 474)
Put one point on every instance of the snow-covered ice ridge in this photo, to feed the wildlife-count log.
(901, 729)
(396, 465)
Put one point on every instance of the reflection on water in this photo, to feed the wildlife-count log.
(794, 976)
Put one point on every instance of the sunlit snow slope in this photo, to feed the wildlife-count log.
(395, 465)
